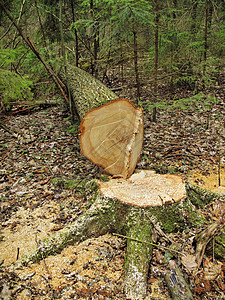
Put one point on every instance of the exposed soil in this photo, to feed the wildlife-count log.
(32, 207)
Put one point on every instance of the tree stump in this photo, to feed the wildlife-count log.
(108, 214)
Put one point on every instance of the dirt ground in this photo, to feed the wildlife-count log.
(32, 208)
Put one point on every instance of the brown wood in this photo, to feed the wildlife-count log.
(111, 136)
(179, 289)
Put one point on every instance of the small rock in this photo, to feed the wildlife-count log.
(219, 190)
(19, 194)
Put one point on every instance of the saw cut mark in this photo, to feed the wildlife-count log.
(145, 189)
(111, 136)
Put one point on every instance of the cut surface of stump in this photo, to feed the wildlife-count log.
(111, 136)
(145, 188)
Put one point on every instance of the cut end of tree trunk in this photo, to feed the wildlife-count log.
(145, 189)
(111, 136)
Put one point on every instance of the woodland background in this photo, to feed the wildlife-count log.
(151, 50)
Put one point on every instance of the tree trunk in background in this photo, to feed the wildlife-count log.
(96, 48)
(71, 103)
(94, 42)
(175, 8)
(18, 21)
(87, 91)
(41, 25)
(76, 36)
(206, 36)
(210, 13)
(136, 65)
(121, 63)
(194, 17)
(156, 57)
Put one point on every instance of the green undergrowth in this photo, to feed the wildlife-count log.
(217, 246)
(87, 188)
(70, 184)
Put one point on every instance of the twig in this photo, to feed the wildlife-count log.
(78, 183)
(7, 31)
(18, 253)
(50, 289)
(205, 237)
(148, 243)
(8, 130)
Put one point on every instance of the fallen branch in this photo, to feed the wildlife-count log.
(9, 130)
(205, 237)
(148, 243)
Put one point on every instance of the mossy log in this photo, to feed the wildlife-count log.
(87, 91)
(111, 215)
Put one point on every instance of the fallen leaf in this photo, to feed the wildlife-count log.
(189, 261)
(202, 286)
(221, 284)
(211, 270)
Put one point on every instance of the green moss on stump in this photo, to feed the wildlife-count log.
(199, 196)
(170, 216)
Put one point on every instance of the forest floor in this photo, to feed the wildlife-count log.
(32, 207)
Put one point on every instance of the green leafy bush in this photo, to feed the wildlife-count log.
(13, 87)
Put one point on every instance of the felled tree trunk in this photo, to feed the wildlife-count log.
(87, 91)
(111, 131)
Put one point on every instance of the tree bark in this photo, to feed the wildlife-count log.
(76, 35)
(71, 103)
(136, 65)
(18, 22)
(87, 91)
(206, 36)
(156, 57)
(41, 26)
(178, 287)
